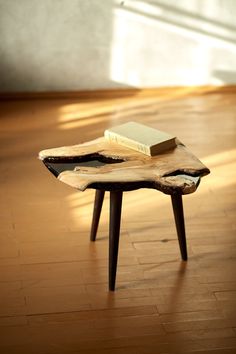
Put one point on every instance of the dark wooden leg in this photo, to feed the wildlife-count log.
(99, 196)
(177, 205)
(114, 234)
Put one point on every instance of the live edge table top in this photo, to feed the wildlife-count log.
(103, 165)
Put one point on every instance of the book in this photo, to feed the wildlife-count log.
(141, 138)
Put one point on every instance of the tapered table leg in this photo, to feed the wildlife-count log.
(99, 196)
(114, 234)
(177, 205)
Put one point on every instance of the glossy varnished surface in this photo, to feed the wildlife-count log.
(53, 280)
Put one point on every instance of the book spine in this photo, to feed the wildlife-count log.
(118, 139)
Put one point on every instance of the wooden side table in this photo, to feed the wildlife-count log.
(106, 166)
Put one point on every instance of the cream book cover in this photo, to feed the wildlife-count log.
(141, 138)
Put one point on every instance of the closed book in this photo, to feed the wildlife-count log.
(141, 138)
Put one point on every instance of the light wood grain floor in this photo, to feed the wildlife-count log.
(53, 281)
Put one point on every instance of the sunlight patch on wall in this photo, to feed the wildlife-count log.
(156, 45)
(188, 23)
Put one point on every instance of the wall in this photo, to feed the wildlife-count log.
(52, 45)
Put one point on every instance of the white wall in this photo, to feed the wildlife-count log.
(90, 44)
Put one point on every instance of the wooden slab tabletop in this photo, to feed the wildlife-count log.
(175, 171)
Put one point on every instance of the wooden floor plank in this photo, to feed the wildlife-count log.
(54, 295)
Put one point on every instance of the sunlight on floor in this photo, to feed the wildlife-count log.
(224, 157)
(223, 169)
(84, 110)
(87, 113)
(139, 204)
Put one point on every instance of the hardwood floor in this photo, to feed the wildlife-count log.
(54, 295)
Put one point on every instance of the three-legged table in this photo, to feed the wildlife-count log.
(106, 166)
